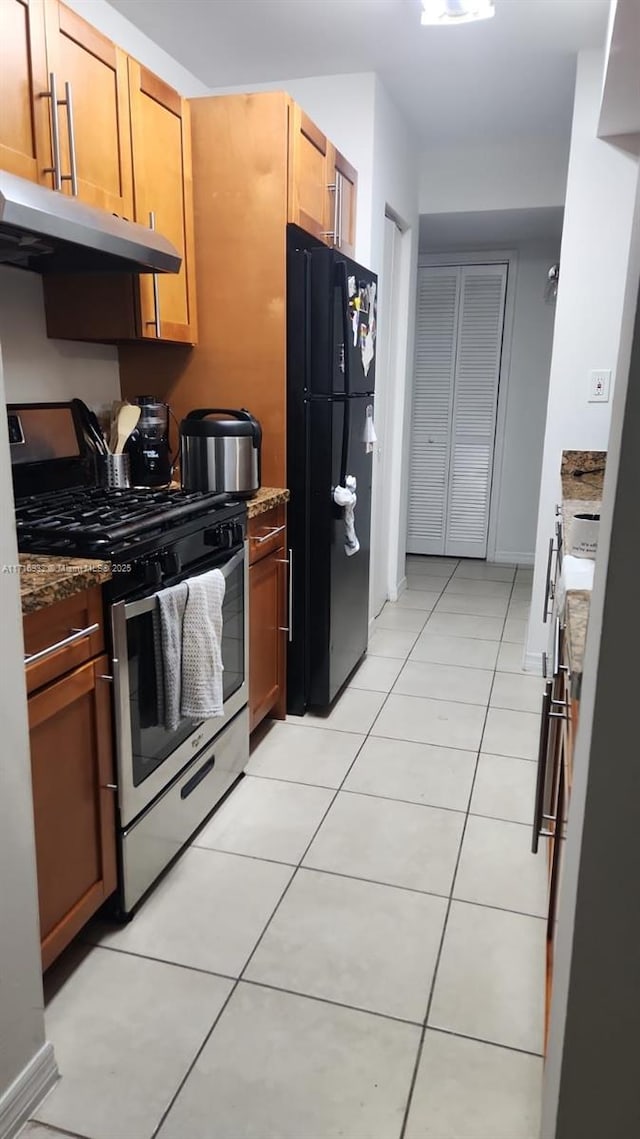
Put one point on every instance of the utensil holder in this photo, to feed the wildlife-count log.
(114, 471)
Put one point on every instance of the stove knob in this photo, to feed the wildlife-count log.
(153, 572)
(171, 563)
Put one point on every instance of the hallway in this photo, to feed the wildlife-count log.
(354, 945)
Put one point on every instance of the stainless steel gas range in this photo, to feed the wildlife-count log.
(169, 779)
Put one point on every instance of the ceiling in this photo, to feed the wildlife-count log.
(510, 75)
(495, 229)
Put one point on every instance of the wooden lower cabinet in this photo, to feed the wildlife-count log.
(268, 568)
(74, 808)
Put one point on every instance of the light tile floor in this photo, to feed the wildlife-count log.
(354, 945)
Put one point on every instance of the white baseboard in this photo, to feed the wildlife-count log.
(513, 558)
(27, 1091)
(533, 663)
(394, 594)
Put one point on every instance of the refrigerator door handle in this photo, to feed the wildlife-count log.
(343, 285)
(307, 320)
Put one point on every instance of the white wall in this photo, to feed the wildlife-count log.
(36, 368)
(594, 259)
(526, 411)
(22, 1040)
(395, 187)
(112, 24)
(509, 175)
(591, 1069)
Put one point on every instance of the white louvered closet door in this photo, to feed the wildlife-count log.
(450, 491)
(432, 408)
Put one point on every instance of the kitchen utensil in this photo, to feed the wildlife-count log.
(148, 446)
(113, 435)
(89, 426)
(126, 422)
(100, 439)
(220, 451)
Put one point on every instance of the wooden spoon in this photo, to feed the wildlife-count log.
(113, 434)
(126, 422)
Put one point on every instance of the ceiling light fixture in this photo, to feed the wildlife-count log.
(443, 12)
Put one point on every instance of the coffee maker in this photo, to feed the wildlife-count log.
(148, 447)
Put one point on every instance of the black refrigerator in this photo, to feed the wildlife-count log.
(331, 344)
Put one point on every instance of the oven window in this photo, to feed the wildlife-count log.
(152, 743)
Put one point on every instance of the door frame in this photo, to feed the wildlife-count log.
(508, 257)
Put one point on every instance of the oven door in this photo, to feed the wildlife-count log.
(149, 755)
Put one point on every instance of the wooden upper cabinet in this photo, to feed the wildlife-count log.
(95, 123)
(344, 180)
(121, 307)
(25, 139)
(161, 149)
(309, 205)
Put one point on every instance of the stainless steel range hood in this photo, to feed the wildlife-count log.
(50, 232)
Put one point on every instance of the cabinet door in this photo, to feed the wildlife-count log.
(309, 204)
(25, 140)
(74, 813)
(161, 146)
(96, 126)
(344, 183)
(267, 584)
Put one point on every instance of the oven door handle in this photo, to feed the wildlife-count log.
(145, 604)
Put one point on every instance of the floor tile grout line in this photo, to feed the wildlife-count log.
(482, 1040)
(162, 961)
(300, 861)
(254, 857)
(434, 978)
(193, 1063)
(246, 964)
(54, 1129)
(242, 971)
(379, 795)
(258, 984)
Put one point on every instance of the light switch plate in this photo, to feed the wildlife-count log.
(599, 385)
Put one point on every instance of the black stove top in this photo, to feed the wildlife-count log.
(94, 520)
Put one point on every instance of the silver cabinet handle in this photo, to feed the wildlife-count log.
(156, 288)
(52, 94)
(289, 627)
(544, 666)
(290, 595)
(547, 588)
(556, 648)
(75, 635)
(543, 750)
(270, 534)
(73, 176)
(333, 233)
(339, 197)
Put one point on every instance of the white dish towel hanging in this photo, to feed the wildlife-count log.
(345, 496)
(202, 667)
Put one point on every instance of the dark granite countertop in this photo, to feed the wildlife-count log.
(264, 499)
(582, 475)
(45, 580)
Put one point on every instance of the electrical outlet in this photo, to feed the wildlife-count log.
(599, 385)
